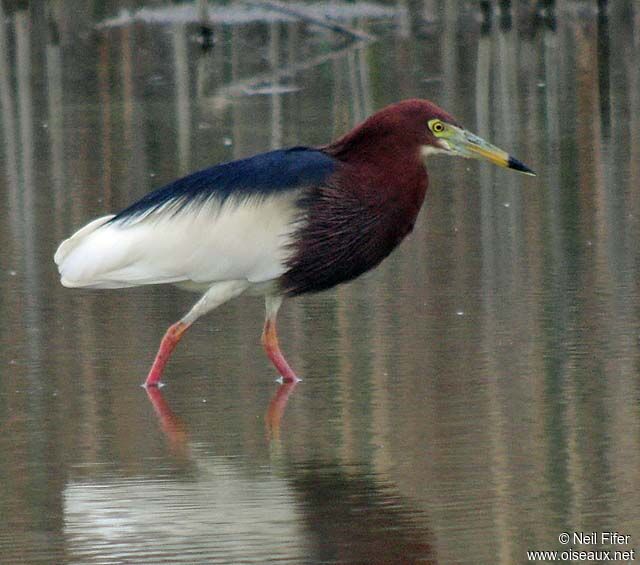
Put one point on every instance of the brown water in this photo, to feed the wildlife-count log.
(469, 400)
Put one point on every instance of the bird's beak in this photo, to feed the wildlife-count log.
(466, 144)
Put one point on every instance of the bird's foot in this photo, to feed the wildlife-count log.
(288, 380)
(155, 384)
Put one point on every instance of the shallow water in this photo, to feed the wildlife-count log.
(467, 401)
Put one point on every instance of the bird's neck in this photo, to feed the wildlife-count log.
(384, 168)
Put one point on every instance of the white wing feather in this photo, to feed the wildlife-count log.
(68, 245)
(201, 244)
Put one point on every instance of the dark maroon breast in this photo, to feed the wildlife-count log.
(350, 225)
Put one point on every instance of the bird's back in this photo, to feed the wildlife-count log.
(265, 175)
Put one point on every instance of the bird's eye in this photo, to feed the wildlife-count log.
(437, 126)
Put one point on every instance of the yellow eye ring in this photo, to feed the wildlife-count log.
(437, 127)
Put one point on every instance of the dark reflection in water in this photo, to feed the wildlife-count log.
(352, 516)
(466, 402)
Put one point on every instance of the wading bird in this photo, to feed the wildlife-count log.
(278, 224)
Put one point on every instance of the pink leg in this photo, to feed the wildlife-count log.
(216, 295)
(167, 345)
(270, 342)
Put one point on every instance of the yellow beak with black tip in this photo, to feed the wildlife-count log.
(459, 141)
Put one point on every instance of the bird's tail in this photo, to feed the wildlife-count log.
(71, 252)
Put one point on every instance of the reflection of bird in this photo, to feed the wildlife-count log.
(353, 515)
(276, 408)
(277, 224)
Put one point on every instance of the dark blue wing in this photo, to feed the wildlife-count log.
(262, 175)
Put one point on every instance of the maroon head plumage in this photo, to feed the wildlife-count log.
(395, 133)
(370, 203)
